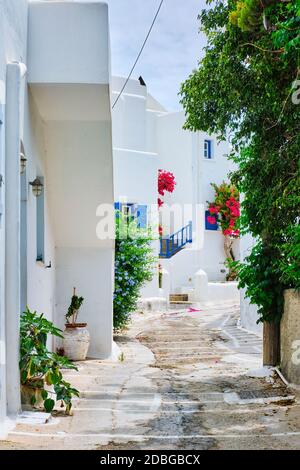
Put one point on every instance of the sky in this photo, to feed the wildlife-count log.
(172, 51)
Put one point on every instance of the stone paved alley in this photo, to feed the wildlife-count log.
(182, 384)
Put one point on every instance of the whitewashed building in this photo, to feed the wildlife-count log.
(58, 132)
(136, 158)
(55, 112)
(146, 138)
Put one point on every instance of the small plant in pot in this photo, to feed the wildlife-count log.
(76, 336)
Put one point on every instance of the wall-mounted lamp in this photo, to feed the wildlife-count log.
(23, 161)
(37, 187)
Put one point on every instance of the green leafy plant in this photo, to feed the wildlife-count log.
(248, 15)
(260, 276)
(73, 310)
(243, 88)
(39, 366)
(290, 260)
(134, 265)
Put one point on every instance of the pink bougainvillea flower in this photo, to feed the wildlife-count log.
(160, 202)
(226, 209)
(213, 210)
(230, 204)
(231, 233)
(211, 220)
(166, 182)
(235, 211)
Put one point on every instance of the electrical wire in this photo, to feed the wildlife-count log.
(139, 55)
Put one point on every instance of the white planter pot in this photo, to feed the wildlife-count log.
(76, 342)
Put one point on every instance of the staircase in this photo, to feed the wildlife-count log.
(178, 298)
(172, 244)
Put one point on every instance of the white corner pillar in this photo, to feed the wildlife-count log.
(201, 286)
(15, 80)
(2, 264)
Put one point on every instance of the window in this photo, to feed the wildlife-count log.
(40, 226)
(133, 211)
(208, 224)
(129, 211)
(208, 149)
(142, 216)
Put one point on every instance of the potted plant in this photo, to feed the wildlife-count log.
(76, 336)
(42, 382)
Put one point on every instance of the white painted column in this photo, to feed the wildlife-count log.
(14, 127)
(2, 264)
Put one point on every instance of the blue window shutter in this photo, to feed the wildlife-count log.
(118, 207)
(142, 216)
(208, 149)
(209, 226)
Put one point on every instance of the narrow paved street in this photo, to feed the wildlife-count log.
(183, 383)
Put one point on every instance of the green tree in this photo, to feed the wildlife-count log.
(244, 90)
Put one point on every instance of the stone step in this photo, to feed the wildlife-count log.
(179, 298)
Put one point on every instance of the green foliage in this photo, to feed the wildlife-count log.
(247, 15)
(75, 305)
(243, 89)
(134, 265)
(39, 366)
(260, 276)
(290, 261)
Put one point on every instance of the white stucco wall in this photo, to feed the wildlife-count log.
(80, 156)
(2, 275)
(13, 21)
(182, 152)
(68, 42)
(146, 137)
(136, 161)
(13, 24)
(135, 175)
(249, 315)
(64, 121)
(135, 143)
(129, 115)
(69, 73)
(40, 276)
(90, 270)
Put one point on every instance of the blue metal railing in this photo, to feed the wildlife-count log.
(169, 246)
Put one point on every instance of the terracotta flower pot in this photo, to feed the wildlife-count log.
(76, 341)
(28, 392)
(34, 389)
